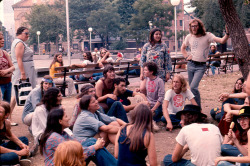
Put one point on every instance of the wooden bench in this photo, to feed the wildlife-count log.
(228, 57)
(65, 71)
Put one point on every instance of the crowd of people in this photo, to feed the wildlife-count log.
(103, 114)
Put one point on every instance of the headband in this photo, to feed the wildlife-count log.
(47, 80)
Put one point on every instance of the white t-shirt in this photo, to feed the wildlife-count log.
(199, 46)
(177, 101)
(86, 69)
(204, 142)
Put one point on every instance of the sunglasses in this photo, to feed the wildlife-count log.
(26, 33)
(194, 26)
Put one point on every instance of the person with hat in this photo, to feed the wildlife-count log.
(202, 139)
(237, 145)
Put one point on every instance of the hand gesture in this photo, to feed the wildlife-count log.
(189, 57)
(23, 152)
(228, 117)
(141, 77)
(231, 135)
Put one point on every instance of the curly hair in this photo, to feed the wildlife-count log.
(20, 30)
(190, 117)
(201, 30)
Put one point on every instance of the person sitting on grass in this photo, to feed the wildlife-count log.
(92, 123)
(121, 96)
(54, 135)
(174, 101)
(105, 86)
(135, 140)
(240, 152)
(52, 99)
(15, 148)
(155, 90)
(237, 96)
(34, 98)
(202, 139)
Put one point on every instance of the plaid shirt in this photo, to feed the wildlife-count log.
(54, 140)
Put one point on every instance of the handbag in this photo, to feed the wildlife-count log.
(22, 91)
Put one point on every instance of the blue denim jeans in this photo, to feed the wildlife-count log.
(158, 114)
(213, 66)
(102, 156)
(167, 161)
(229, 150)
(6, 91)
(227, 163)
(195, 74)
(12, 158)
(117, 110)
(173, 119)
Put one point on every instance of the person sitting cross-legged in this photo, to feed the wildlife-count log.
(174, 101)
(202, 139)
(121, 94)
(16, 148)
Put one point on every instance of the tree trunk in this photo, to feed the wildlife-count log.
(237, 34)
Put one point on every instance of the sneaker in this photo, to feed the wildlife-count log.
(25, 162)
(155, 127)
(33, 150)
(13, 124)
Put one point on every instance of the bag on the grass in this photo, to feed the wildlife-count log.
(22, 91)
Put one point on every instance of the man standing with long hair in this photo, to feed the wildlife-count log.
(198, 41)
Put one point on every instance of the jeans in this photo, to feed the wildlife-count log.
(173, 119)
(158, 114)
(117, 110)
(213, 66)
(218, 116)
(195, 74)
(229, 150)
(167, 161)
(102, 156)
(11, 158)
(6, 91)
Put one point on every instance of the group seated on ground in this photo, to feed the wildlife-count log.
(103, 114)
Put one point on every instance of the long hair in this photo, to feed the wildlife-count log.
(69, 153)
(55, 60)
(85, 90)
(141, 121)
(201, 30)
(182, 80)
(89, 56)
(235, 90)
(45, 77)
(151, 36)
(50, 98)
(52, 125)
(20, 30)
(190, 117)
(84, 102)
(101, 49)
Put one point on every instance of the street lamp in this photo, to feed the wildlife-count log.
(38, 34)
(90, 30)
(150, 24)
(175, 3)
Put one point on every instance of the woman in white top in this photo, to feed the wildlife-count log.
(105, 56)
(175, 99)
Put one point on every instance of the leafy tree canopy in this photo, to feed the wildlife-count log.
(48, 21)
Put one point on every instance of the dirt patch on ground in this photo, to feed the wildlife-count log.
(210, 88)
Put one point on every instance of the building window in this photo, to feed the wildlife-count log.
(180, 22)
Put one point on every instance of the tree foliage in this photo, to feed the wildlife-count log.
(105, 22)
(48, 21)
(209, 12)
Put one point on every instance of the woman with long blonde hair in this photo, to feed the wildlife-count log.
(69, 153)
